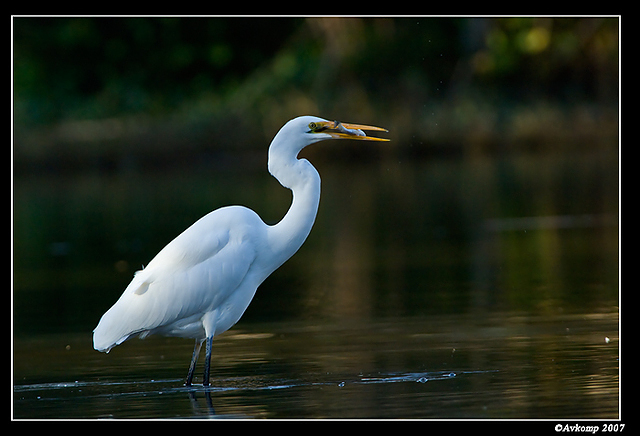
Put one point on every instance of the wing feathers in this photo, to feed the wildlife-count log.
(193, 274)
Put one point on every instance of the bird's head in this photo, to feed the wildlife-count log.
(317, 129)
(306, 130)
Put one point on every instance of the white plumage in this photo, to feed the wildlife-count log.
(200, 284)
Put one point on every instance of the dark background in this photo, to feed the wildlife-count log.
(499, 189)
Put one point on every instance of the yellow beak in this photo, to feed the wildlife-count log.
(339, 130)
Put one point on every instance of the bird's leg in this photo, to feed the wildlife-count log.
(194, 359)
(207, 362)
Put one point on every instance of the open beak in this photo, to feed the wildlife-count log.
(339, 130)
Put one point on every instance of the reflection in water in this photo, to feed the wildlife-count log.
(506, 366)
(501, 271)
(197, 410)
(412, 238)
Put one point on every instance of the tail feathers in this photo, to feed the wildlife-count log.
(126, 318)
(114, 328)
(105, 336)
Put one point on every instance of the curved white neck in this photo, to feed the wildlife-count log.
(287, 236)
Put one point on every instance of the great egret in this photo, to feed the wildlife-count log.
(200, 284)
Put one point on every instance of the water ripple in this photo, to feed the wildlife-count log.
(246, 383)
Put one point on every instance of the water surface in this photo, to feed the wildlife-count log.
(508, 366)
(477, 288)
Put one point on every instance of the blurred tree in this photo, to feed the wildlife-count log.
(101, 67)
(429, 78)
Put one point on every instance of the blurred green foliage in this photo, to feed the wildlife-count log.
(101, 67)
(442, 80)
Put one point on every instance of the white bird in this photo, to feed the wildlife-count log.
(200, 284)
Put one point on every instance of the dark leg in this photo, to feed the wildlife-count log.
(207, 362)
(194, 359)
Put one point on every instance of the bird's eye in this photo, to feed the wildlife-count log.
(317, 127)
